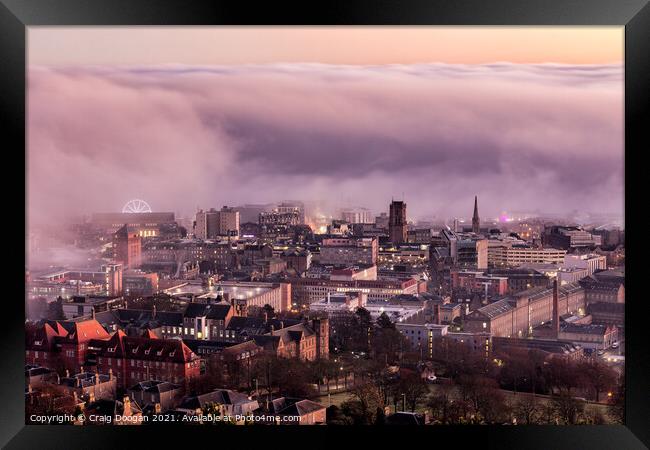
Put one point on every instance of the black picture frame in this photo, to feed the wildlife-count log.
(634, 15)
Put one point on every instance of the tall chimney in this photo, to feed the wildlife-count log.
(438, 318)
(556, 310)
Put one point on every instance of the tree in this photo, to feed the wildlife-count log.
(55, 310)
(383, 321)
(335, 416)
(211, 379)
(360, 327)
(484, 395)
(617, 403)
(567, 408)
(598, 376)
(388, 343)
(354, 413)
(548, 413)
(526, 410)
(441, 404)
(513, 373)
(414, 388)
(269, 310)
(369, 398)
(563, 375)
(293, 378)
(380, 416)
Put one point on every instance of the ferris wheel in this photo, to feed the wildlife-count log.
(136, 206)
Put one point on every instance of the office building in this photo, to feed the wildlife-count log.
(348, 251)
(213, 224)
(569, 238)
(356, 215)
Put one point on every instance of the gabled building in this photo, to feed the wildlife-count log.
(150, 393)
(206, 320)
(41, 344)
(52, 345)
(90, 386)
(134, 359)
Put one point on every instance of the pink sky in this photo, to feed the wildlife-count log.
(328, 45)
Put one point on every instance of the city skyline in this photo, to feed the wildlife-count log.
(233, 224)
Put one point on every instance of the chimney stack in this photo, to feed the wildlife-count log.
(153, 312)
(96, 378)
(110, 373)
(438, 318)
(93, 312)
(67, 373)
(556, 310)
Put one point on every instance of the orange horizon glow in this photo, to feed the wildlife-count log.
(371, 45)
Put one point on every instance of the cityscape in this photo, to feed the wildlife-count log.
(292, 240)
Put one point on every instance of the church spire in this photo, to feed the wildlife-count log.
(476, 223)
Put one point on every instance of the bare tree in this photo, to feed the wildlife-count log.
(527, 410)
(567, 408)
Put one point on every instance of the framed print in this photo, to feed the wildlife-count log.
(328, 220)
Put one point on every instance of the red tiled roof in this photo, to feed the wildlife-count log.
(85, 331)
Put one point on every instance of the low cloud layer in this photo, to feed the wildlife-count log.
(521, 137)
